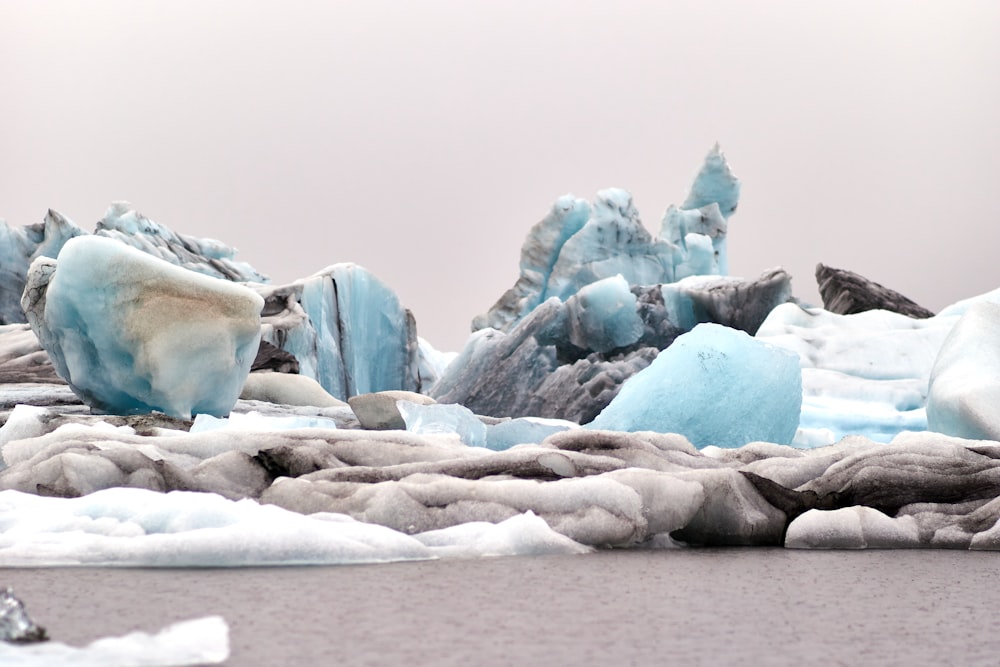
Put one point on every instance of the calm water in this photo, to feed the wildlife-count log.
(686, 607)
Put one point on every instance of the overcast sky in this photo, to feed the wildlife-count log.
(422, 140)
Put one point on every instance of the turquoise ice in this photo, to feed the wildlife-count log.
(715, 386)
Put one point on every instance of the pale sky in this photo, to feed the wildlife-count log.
(422, 140)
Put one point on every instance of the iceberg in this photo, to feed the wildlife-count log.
(139, 528)
(287, 389)
(963, 396)
(207, 256)
(19, 247)
(347, 329)
(603, 316)
(717, 410)
(864, 373)
(579, 243)
(255, 422)
(524, 430)
(715, 183)
(612, 242)
(852, 528)
(714, 385)
(437, 418)
(131, 333)
(558, 362)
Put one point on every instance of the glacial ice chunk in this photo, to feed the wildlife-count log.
(444, 418)
(964, 391)
(287, 389)
(19, 246)
(124, 527)
(524, 430)
(433, 362)
(24, 421)
(602, 316)
(257, 423)
(207, 256)
(864, 373)
(348, 330)
(715, 184)
(522, 534)
(200, 641)
(856, 527)
(579, 243)
(613, 241)
(539, 253)
(714, 385)
(131, 333)
(15, 624)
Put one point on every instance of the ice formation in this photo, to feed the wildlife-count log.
(599, 297)
(556, 362)
(16, 625)
(964, 388)
(347, 329)
(846, 293)
(579, 243)
(866, 373)
(200, 641)
(380, 410)
(857, 527)
(123, 527)
(602, 316)
(131, 333)
(207, 256)
(19, 246)
(436, 418)
(714, 385)
(691, 385)
(287, 389)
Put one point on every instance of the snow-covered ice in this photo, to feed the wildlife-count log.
(964, 388)
(124, 527)
(200, 641)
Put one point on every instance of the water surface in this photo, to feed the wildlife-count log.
(679, 607)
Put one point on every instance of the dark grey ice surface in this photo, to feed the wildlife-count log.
(682, 607)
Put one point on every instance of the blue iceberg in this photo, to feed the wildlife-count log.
(347, 329)
(715, 386)
(131, 333)
(579, 243)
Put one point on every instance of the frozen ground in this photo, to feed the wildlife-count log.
(680, 607)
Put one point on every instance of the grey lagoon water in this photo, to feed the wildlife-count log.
(676, 607)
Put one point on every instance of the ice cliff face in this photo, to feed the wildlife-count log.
(347, 330)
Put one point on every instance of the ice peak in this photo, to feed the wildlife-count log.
(714, 184)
